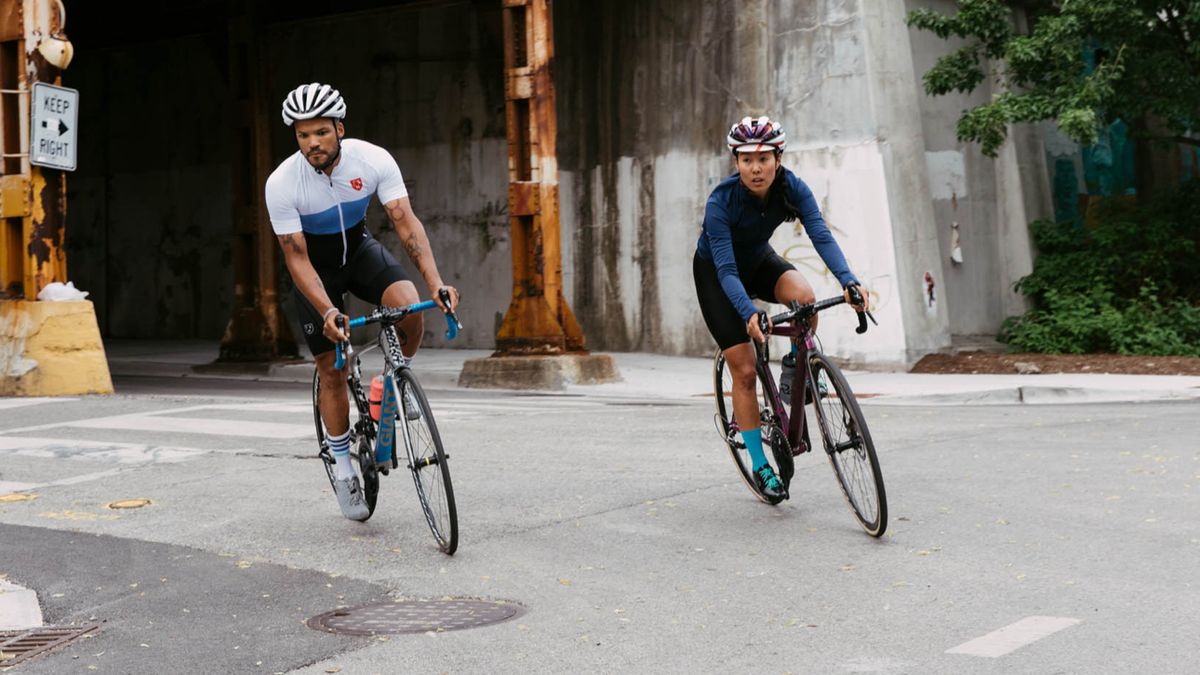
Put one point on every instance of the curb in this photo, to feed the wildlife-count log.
(19, 608)
(1036, 395)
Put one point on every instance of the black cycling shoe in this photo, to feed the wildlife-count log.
(769, 484)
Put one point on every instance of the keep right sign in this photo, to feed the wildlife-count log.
(55, 115)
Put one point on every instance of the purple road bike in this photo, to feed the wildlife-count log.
(843, 429)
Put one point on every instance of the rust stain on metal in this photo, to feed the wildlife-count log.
(538, 320)
(257, 330)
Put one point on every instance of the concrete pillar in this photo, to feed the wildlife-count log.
(896, 110)
(752, 58)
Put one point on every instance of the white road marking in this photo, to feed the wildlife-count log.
(7, 486)
(1013, 636)
(111, 453)
(7, 403)
(191, 425)
(298, 408)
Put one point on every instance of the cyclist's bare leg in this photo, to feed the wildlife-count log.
(740, 361)
(334, 400)
(793, 286)
(401, 294)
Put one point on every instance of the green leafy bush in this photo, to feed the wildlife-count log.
(1128, 282)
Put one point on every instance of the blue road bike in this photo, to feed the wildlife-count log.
(405, 418)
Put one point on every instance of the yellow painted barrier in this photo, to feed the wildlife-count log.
(51, 349)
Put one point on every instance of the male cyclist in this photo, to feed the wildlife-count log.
(317, 200)
(734, 262)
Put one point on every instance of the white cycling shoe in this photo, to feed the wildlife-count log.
(350, 498)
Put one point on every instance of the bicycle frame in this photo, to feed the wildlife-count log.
(800, 334)
(383, 433)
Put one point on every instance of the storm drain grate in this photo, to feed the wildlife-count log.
(17, 646)
(415, 616)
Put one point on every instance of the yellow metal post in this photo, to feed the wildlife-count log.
(46, 348)
(538, 320)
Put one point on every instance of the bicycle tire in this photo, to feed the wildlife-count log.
(427, 460)
(773, 435)
(360, 453)
(848, 445)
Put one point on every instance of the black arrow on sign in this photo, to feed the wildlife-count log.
(62, 128)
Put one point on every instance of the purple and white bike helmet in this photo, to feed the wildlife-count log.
(756, 134)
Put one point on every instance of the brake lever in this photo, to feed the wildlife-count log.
(453, 325)
(341, 353)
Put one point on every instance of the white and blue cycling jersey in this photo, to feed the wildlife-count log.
(330, 210)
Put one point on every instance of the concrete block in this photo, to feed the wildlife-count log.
(51, 349)
(538, 372)
(19, 608)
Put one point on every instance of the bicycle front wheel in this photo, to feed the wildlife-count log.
(848, 445)
(427, 460)
(773, 435)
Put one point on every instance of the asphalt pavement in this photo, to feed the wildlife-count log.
(1025, 535)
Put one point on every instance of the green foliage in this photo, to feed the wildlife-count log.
(1129, 284)
(1084, 64)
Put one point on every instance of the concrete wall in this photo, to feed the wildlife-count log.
(642, 118)
(150, 207)
(991, 200)
(646, 90)
(148, 215)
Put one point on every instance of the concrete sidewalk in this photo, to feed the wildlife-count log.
(675, 377)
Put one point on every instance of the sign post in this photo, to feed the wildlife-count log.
(55, 113)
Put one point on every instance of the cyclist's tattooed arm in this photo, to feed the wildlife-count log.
(304, 275)
(416, 244)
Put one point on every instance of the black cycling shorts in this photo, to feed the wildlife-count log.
(720, 316)
(367, 274)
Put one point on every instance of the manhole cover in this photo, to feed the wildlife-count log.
(415, 616)
(21, 645)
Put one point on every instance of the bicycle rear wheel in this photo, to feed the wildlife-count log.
(427, 461)
(772, 434)
(848, 445)
(360, 452)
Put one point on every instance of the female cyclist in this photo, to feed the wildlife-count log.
(734, 262)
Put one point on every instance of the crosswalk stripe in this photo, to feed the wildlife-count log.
(99, 451)
(1013, 636)
(192, 425)
(9, 403)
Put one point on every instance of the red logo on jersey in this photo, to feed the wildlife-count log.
(356, 183)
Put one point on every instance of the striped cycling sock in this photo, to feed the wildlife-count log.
(340, 447)
(753, 441)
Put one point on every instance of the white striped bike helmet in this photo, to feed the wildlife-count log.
(756, 134)
(309, 101)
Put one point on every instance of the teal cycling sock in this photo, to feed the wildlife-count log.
(340, 447)
(753, 441)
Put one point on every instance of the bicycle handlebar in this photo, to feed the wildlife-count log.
(390, 315)
(804, 311)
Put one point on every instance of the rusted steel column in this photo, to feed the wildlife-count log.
(33, 202)
(538, 319)
(258, 330)
(15, 190)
